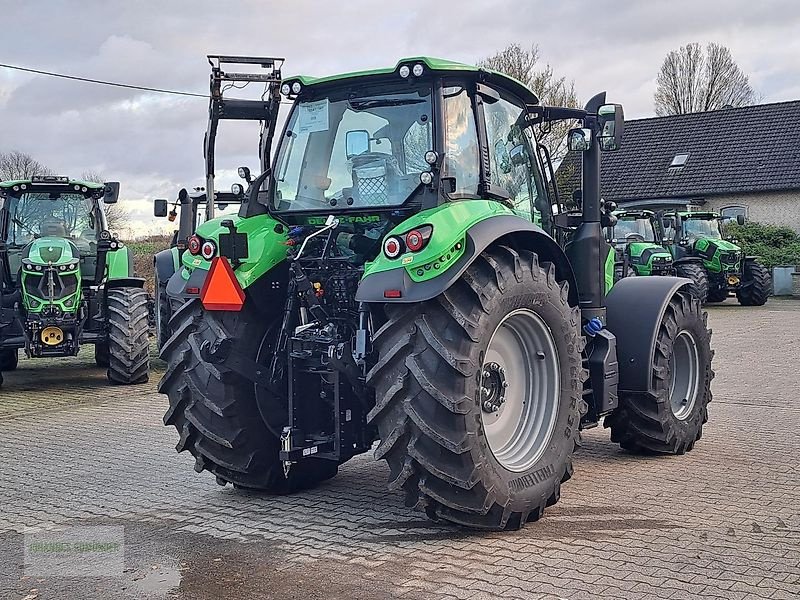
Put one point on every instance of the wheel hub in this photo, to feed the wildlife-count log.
(493, 387)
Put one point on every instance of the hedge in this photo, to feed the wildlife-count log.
(776, 246)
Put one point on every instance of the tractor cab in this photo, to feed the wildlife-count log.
(58, 262)
(636, 241)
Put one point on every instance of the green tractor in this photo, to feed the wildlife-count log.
(386, 282)
(698, 237)
(194, 209)
(66, 281)
(636, 238)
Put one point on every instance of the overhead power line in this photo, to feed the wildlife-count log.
(102, 82)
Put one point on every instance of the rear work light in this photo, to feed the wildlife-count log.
(193, 244)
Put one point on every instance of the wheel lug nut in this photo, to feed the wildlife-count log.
(505, 384)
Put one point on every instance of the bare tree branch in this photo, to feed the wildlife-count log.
(692, 80)
(18, 165)
(521, 64)
(116, 215)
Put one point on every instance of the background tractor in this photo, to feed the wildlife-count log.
(636, 237)
(194, 210)
(698, 237)
(66, 281)
(387, 280)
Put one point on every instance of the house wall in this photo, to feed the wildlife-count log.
(773, 208)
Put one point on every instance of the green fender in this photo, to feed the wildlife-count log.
(266, 242)
(119, 264)
(461, 231)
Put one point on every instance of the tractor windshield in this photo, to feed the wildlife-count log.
(628, 229)
(43, 214)
(698, 228)
(353, 149)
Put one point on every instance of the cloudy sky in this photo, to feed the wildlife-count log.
(153, 143)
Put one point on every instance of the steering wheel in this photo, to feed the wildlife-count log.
(634, 237)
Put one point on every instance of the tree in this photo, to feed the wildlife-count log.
(522, 64)
(18, 165)
(116, 215)
(693, 80)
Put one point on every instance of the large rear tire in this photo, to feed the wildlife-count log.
(757, 293)
(128, 343)
(215, 410)
(507, 320)
(699, 277)
(670, 419)
(9, 359)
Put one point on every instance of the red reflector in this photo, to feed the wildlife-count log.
(392, 294)
(192, 290)
(221, 290)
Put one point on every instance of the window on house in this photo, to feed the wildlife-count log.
(731, 212)
(679, 160)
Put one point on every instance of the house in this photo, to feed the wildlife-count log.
(733, 160)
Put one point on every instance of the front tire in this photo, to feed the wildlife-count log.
(128, 329)
(9, 359)
(717, 293)
(699, 278)
(439, 365)
(757, 293)
(215, 410)
(670, 419)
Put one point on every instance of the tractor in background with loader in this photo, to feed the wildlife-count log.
(66, 281)
(387, 281)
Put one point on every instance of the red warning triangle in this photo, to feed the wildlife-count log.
(221, 290)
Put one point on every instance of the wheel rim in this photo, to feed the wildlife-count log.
(520, 390)
(685, 375)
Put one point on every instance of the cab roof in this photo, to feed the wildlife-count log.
(50, 180)
(437, 65)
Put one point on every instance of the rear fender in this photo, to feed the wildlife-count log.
(166, 263)
(509, 229)
(635, 307)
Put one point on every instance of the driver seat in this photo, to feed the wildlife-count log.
(53, 229)
(371, 173)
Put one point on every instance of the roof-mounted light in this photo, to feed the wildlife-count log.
(418, 69)
(404, 71)
(296, 87)
(286, 89)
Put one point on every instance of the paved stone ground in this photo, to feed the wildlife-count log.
(720, 522)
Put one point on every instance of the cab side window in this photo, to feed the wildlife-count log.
(510, 155)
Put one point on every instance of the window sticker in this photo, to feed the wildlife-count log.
(313, 116)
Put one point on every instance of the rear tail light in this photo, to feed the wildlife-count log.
(208, 250)
(414, 241)
(392, 247)
(194, 244)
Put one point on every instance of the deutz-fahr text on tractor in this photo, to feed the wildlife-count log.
(386, 281)
(66, 281)
(698, 236)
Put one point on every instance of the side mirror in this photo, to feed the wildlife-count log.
(740, 220)
(611, 119)
(160, 207)
(111, 192)
(356, 142)
(579, 140)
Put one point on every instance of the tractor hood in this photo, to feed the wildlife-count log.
(639, 248)
(50, 251)
(719, 244)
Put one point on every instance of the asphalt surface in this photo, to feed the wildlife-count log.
(719, 522)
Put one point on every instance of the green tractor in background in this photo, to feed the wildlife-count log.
(636, 238)
(66, 281)
(698, 236)
(394, 276)
(194, 210)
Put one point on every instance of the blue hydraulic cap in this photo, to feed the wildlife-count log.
(593, 326)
